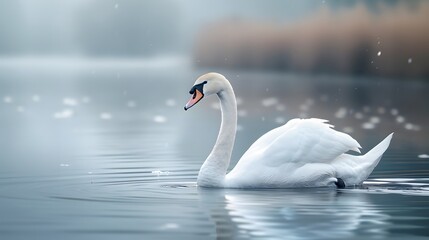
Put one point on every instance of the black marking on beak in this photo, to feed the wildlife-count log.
(198, 87)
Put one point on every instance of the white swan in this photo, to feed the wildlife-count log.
(301, 153)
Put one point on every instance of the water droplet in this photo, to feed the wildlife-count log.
(170, 102)
(20, 109)
(379, 53)
(394, 111)
(374, 120)
(8, 99)
(159, 119)
(159, 172)
(341, 112)
(368, 125)
(358, 115)
(86, 99)
(267, 102)
(410, 60)
(423, 156)
(131, 104)
(400, 119)
(36, 98)
(70, 102)
(170, 226)
(106, 116)
(66, 113)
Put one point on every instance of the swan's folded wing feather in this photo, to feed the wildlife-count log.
(268, 138)
(307, 141)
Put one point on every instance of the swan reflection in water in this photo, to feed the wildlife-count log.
(292, 213)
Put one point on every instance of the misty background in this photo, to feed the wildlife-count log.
(382, 38)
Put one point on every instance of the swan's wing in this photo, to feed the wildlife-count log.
(266, 139)
(302, 141)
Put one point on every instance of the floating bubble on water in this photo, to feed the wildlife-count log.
(66, 113)
(341, 112)
(116, 5)
(400, 119)
(348, 129)
(169, 226)
(423, 156)
(368, 125)
(159, 119)
(35, 98)
(379, 53)
(374, 120)
(64, 165)
(413, 127)
(70, 102)
(8, 99)
(159, 172)
(280, 120)
(410, 60)
(106, 116)
(263, 119)
(239, 128)
(170, 102)
(267, 102)
(358, 115)
(20, 109)
(239, 101)
(394, 111)
(242, 113)
(131, 104)
(381, 110)
(86, 99)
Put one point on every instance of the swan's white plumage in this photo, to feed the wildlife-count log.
(301, 153)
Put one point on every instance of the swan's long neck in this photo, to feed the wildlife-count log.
(213, 171)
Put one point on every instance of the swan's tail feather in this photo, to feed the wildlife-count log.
(356, 169)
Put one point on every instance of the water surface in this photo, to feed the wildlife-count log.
(105, 151)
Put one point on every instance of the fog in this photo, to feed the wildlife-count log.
(301, 36)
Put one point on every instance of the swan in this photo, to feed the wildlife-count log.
(301, 153)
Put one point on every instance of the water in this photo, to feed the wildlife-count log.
(105, 151)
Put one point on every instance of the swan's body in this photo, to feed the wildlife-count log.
(301, 153)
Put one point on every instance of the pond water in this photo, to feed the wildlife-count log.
(105, 151)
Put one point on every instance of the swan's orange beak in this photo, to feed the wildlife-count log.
(196, 97)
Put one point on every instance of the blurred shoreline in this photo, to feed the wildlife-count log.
(392, 42)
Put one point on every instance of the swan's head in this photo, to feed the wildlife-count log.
(205, 85)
